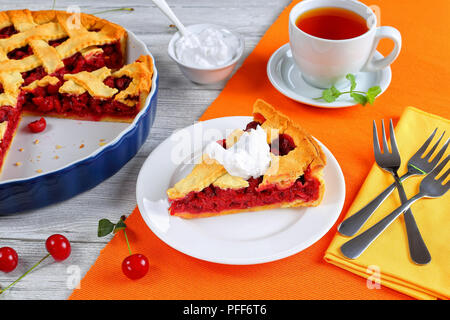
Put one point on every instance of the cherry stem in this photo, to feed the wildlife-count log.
(27, 272)
(112, 10)
(128, 243)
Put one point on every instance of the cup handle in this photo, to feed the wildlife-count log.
(384, 32)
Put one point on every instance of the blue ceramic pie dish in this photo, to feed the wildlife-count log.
(26, 193)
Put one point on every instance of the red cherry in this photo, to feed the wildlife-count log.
(37, 126)
(58, 246)
(135, 266)
(8, 259)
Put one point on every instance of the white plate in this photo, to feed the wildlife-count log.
(287, 79)
(242, 238)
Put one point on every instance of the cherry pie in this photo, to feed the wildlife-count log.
(65, 65)
(293, 179)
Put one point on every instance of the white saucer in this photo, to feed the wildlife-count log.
(286, 78)
(238, 239)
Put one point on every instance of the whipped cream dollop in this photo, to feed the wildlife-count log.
(248, 157)
(209, 48)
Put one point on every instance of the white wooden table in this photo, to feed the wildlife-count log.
(180, 103)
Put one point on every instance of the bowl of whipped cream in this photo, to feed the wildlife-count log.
(208, 53)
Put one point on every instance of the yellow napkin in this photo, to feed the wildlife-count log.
(387, 259)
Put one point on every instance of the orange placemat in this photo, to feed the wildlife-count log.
(421, 76)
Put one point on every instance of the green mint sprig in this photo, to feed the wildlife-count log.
(331, 94)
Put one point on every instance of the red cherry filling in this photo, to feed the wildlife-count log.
(7, 32)
(111, 57)
(258, 119)
(282, 145)
(20, 53)
(213, 199)
(119, 83)
(48, 99)
(78, 63)
(12, 115)
(57, 42)
(252, 125)
(32, 75)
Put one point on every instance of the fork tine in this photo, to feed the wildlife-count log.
(440, 153)
(439, 168)
(445, 175)
(376, 143)
(385, 144)
(431, 152)
(424, 147)
(392, 136)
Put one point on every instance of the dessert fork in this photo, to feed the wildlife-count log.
(419, 164)
(390, 161)
(430, 187)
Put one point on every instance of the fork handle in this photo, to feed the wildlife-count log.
(353, 248)
(418, 250)
(352, 224)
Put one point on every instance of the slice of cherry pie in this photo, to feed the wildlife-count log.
(66, 65)
(293, 179)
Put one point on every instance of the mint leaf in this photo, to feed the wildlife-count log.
(335, 92)
(119, 226)
(350, 77)
(105, 227)
(372, 93)
(328, 95)
(361, 99)
(331, 94)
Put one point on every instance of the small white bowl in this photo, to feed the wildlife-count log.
(204, 75)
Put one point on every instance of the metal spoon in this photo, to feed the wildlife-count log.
(164, 7)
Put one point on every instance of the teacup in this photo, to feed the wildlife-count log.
(324, 62)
